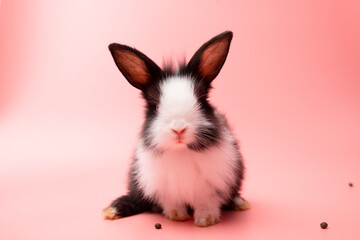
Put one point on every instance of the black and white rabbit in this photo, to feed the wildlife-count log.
(187, 159)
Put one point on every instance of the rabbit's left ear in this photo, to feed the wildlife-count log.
(209, 59)
(136, 67)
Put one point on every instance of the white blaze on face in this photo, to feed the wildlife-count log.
(178, 111)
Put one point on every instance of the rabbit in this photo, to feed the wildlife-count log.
(187, 160)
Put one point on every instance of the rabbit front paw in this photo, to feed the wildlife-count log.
(177, 214)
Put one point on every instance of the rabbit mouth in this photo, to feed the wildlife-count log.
(180, 140)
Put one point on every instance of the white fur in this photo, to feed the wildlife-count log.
(184, 176)
(176, 175)
(178, 109)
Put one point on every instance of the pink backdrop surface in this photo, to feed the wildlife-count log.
(69, 120)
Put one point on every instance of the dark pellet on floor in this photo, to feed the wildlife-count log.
(158, 226)
(324, 225)
(351, 184)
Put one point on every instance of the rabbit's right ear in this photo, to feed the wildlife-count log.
(136, 67)
(209, 59)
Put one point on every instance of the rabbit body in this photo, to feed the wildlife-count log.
(187, 156)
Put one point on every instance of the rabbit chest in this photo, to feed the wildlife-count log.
(184, 176)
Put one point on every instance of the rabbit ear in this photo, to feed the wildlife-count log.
(209, 59)
(136, 67)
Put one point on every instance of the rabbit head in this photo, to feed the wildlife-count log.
(178, 114)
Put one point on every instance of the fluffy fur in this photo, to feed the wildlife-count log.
(187, 159)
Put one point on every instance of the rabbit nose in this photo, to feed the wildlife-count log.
(179, 131)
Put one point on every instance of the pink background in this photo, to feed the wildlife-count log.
(69, 120)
